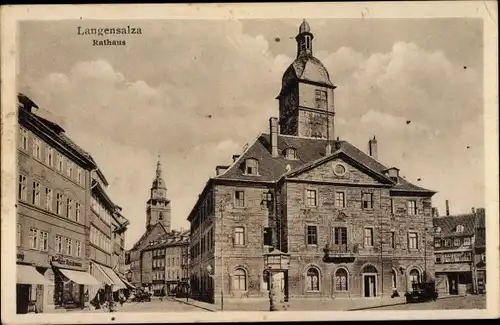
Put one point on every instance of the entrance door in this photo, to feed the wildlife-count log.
(23, 298)
(369, 286)
(453, 283)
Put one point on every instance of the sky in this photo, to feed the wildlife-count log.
(197, 91)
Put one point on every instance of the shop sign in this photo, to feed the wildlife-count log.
(65, 261)
(453, 268)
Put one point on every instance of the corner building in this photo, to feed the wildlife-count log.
(352, 226)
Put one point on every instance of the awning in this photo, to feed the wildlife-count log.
(130, 285)
(117, 283)
(80, 277)
(27, 274)
(101, 274)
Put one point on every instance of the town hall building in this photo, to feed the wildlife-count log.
(352, 226)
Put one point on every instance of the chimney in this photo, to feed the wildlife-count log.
(273, 126)
(372, 148)
(447, 208)
(435, 212)
(328, 148)
(235, 157)
(337, 144)
(221, 169)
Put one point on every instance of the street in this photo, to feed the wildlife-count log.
(467, 302)
(155, 305)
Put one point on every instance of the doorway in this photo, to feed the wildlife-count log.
(370, 285)
(23, 292)
(453, 283)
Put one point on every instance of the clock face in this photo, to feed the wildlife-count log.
(160, 194)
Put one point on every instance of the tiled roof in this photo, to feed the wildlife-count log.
(448, 225)
(309, 150)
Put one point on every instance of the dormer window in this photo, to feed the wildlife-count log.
(251, 166)
(291, 154)
(460, 228)
(437, 230)
(393, 173)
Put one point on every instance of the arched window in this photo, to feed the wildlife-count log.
(240, 279)
(312, 279)
(370, 269)
(414, 276)
(251, 166)
(341, 280)
(161, 216)
(394, 279)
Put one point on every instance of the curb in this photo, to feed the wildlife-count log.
(190, 304)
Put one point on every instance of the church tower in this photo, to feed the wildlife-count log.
(306, 107)
(158, 205)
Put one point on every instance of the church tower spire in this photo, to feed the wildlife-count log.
(158, 205)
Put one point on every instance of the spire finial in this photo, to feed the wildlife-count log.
(158, 167)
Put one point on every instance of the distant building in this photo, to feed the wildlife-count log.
(459, 248)
(352, 226)
(150, 259)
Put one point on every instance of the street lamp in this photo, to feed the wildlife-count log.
(276, 263)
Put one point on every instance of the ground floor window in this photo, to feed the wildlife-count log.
(240, 280)
(394, 279)
(312, 279)
(414, 276)
(341, 280)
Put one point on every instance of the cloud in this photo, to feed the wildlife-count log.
(125, 113)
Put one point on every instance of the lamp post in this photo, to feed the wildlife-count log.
(275, 263)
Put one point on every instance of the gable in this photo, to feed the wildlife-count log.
(153, 234)
(341, 169)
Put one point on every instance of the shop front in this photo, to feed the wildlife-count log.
(454, 279)
(29, 289)
(111, 284)
(71, 283)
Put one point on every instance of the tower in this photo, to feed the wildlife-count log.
(158, 205)
(306, 106)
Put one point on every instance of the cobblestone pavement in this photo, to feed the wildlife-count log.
(463, 302)
(451, 302)
(155, 305)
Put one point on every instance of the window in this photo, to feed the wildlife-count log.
(154, 263)
(239, 236)
(340, 199)
(312, 235)
(44, 240)
(341, 280)
(37, 150)
(393, 208)
(290, 154)
(340, 236)
(437, 230)
(412, 207)
(412, 240)
(59, 203)
(239, 199)
(311, 198)
(414, 276)
(312, 279)
(79, 175)
(368, 238)
(437, 243)
(447, 258)
(59, 162)
(23, 139)
(251, 167)
(48, 199)
(438, 258)
(23, 188)
(78, 246)
(33, 238)
(35, 199)
(467, 241)
(19, 234)
(460, 228)
(393, 239)
(69, 246)
(240, 280)
(69, 208)
(447, 242)
(367, 201)
(456, 242)
(268, 236)
(49, 155)
(320, 97)
(77, 211)
(69, 169)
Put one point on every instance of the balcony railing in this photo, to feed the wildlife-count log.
(341, 251)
